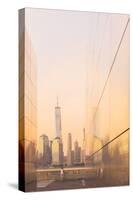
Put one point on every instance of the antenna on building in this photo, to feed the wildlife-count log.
(84, 133)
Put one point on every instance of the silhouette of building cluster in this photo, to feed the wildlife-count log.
(51, 152)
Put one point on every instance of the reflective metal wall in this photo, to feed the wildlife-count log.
(111, 118)
(27, 105)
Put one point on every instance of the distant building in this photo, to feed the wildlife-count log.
(65, 160)
(69, 150)
(57, 145)
(57, 151)
(77, 153)
(83, 151)
(50, 149)
(44, 150)
(72, 156)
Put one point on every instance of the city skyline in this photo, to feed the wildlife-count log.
(46, 156)
(46, 151)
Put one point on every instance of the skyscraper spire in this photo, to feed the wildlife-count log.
(57, 120)
(83, 133)
(57, 145)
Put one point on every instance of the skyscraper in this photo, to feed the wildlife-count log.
(83, 153)
(57, 120)
(77, 153)
(69, 150)
(45, 150)
(57, 145)
(50, 149)
(57, 151)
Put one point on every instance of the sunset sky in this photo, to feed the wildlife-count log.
(74, 52)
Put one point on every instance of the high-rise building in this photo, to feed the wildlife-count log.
(50, 149)
(69, 150)
(72, 156)
(83, 152)
(57, 145)
(57, 152)
(57, 120)
(44, 150)
(77, 153)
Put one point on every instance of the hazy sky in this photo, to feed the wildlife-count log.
(74, 51)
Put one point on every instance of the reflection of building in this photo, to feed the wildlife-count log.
(92, 143)
(69, 150)
(45, 154)
(77, 153)
(90, 132)
(97, 144)
(97, 158)
(27, 106)
(57, 145)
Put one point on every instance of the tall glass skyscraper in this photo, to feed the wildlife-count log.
(57, 145)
